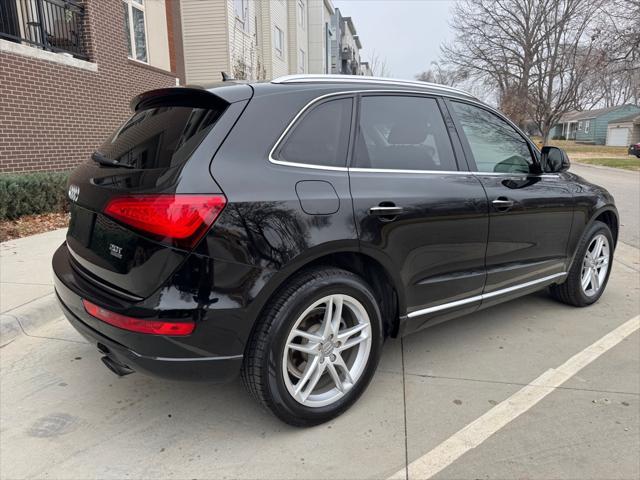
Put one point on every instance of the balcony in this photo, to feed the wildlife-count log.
(54, 25)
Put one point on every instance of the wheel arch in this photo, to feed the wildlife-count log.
(607, 214)
(385, 286)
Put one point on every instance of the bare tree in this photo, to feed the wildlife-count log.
(441, 75)
(378, 65)
(496, 42)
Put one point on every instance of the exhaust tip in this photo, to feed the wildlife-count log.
(119, 370)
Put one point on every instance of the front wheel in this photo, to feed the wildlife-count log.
(316, 348)
(591, 267)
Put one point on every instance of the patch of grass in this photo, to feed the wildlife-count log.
(631, 163)
(570, 146)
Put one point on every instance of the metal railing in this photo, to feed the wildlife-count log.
(55, 25)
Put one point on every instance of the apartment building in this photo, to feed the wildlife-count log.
(345, 46)
(261, 39)
(69, 70)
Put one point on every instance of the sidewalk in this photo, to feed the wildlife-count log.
(26, 283)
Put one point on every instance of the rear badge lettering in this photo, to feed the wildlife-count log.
(115, 250)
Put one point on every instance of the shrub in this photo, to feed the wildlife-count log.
(31, 193)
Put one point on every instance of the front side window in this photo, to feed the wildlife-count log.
(321, 137)
(587, 124)
(135, 29)
(402, 133)
(278, 40)
(496, 146)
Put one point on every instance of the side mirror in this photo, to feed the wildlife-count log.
(554, 160)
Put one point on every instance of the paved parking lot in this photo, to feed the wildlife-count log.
(63, 415)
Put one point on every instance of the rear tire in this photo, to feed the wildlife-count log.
(316, 347)
(590, 270)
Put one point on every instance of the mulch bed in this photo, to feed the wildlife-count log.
(32, 224)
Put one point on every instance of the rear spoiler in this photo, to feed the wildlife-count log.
(192, 96)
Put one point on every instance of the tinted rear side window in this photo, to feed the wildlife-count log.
(160, 137)
(402, 133)
(321, 137)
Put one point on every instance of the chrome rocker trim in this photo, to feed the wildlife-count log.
(476, 298)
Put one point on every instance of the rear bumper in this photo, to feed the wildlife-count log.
(202, 356)
(209, 369)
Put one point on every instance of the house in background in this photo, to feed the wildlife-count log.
(69, 70)
(624, 131)
(590, 126)
(258, 40)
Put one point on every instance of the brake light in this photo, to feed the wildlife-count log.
(140, 325)
(181, 218)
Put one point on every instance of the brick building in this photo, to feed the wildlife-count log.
(68, 70)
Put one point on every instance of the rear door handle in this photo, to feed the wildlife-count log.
(502, 203)
(386, 211)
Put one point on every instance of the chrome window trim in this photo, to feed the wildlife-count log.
(310, 104)
(394, 170)
(476, 298)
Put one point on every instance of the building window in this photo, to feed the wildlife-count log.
(135, 29)
(241, 8)
(278, 40)
(302, 60)
(301, 15)
(579, 126)
(587, 124)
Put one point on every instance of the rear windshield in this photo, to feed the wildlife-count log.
(160, 137)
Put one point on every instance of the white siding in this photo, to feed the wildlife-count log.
(317, 20)
(205, 40)
(157, 35)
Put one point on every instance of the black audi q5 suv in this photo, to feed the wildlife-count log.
(283, 230)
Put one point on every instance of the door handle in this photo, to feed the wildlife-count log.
(502, 204)
(382, 211)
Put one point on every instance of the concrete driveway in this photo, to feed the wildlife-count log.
(451, 396)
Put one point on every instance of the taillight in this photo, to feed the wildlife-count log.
(140, 325)
(182, 219)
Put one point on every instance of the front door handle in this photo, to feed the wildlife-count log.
(383, 211)
(502, 204)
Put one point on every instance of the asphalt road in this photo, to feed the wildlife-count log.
(64, 415)
(624, 185)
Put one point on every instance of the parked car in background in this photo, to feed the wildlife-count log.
(284, 230)
(634, 150)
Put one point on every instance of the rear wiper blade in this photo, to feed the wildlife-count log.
(104, 160)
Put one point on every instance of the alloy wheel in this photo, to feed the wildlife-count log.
(595, 265)
(327, 350)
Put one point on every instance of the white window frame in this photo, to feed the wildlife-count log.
(243, 14)
(139, 5)
(301, 14)
(302, 60)
(587, 124)
(278, 38)
(580, 126)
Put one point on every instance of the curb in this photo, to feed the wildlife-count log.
(27, 318)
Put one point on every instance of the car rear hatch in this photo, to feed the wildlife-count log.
(145, 198)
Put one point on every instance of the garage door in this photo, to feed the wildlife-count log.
(618, 137)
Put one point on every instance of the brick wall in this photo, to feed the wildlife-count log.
(53, 116)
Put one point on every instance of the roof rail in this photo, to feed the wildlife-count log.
(310, 78)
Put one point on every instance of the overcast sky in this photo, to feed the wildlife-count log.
(408, 33)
